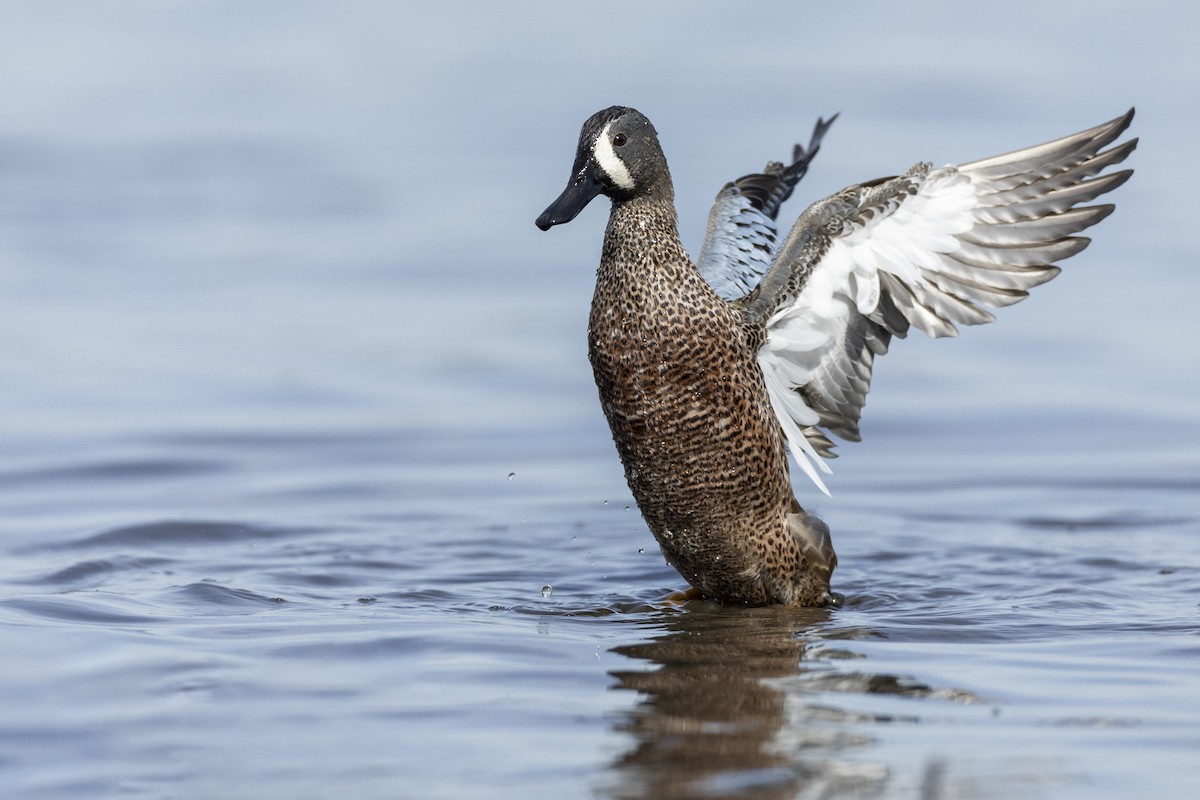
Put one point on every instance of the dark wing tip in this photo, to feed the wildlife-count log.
(790, 175)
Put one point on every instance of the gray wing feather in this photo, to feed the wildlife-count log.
(930, 249)
(739, 245)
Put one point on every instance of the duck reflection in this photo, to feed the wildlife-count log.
(718, 719)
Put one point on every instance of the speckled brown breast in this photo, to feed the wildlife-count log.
(680, 388)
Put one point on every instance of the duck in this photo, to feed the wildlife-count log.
(710, 372)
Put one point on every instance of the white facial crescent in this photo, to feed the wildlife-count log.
(610, 162)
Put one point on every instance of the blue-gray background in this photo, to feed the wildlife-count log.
(296, 419)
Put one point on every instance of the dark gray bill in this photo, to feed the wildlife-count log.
(584, 186)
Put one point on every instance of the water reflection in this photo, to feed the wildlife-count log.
(721, 714)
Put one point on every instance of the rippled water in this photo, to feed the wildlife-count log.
(304, 491)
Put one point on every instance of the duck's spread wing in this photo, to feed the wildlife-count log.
(927, 249)
(741, 239)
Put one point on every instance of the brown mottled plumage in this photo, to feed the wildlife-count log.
(705, 389)
(702, 450)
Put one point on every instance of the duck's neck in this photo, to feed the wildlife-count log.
(643, 234)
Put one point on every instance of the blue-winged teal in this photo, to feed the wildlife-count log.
(708, 373)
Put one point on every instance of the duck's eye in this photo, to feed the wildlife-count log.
(619, 140)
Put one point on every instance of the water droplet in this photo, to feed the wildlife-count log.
(605, 502)
(512, 475)
(641, 551)
(547, 590)
(626, 508)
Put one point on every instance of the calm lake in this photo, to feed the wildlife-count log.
(305, 491)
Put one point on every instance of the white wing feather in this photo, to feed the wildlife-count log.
(924, 249)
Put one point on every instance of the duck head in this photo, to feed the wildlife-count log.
(618, 156)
